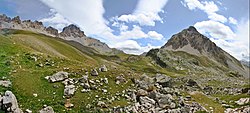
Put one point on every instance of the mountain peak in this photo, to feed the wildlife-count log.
(192, 28)
(192, 38)
(72, 30)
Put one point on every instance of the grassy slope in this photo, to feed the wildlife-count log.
(16, 53)
(17, 49)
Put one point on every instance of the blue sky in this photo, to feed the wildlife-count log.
(135, 26)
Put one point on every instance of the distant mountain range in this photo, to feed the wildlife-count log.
(71, 32)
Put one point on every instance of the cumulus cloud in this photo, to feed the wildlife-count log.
(235, 43)
(215, 29)
(145, 14)
(137, 33)
(210, 8)
(132, 47)
(155, 35)
(88, 15)
(56, 20)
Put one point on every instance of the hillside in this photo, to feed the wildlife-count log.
(49, 73)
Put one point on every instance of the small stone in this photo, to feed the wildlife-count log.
(68, 104)
(35, 95)
(94, 72)
(103, 68)
(47, 109)
(104, 90)
(101, 104)
(28, 111)
(5, 83)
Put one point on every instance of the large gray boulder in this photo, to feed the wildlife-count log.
(163, 80)
(145, 82)
(47, 109)
(59, 76)
(69, 90)
(9, 103)
(243, 101)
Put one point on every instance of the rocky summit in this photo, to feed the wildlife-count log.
(46, 71)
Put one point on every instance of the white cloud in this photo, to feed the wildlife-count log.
(56, 20)
(146, 13)
(241, 44)
(232, 21)
(132, 47)
(235, 43)
(210, 8)
(88, 15)
(137, 33)
(155, 35)
(215, 29)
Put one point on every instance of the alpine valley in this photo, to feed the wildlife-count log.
(46, 71)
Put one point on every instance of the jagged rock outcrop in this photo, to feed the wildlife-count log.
(52, 31)
(4, 18)
(72, 31)
(16, 20)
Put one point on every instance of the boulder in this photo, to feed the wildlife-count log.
(243, 101)
(84, 79)
(165, 101)
(94, 72)
(69, 90)
(9, 103)
(141, 92)
(85, 85)
(5, 83)
(192, 83)
(163, 80)
(103, 68)
(145, 83)
(47, 109)
(120, 79)
(147, 100)
(105, 80)
(59, 76)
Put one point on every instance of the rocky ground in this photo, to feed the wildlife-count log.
(147, 93)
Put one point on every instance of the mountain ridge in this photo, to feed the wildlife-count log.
(70, 32)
